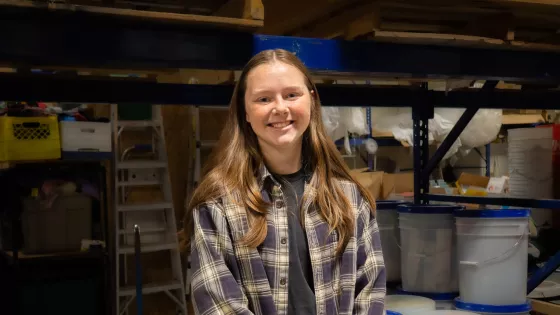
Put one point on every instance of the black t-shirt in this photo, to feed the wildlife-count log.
(301, 295)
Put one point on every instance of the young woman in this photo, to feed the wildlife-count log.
(278, 225)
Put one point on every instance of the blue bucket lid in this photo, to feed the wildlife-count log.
(388, 204)
(498, 213)
(499, 309)
(428, 209)
(432, 296)
(393, 313)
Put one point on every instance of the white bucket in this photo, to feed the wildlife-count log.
(530, 162)
(492, 248)
(428, 258)
(444, 301)
(408, 304)
(388, 222)
(446, 312)
(519, 309)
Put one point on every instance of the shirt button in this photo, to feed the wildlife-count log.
(283, 240)
(279, 204)
(283, 281)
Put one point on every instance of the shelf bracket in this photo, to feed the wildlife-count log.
(542, 273)
(421, 114)
(454, 134)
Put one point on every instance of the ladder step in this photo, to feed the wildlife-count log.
(149, 248)
(138, 123)
(145, 207)
(140, 164)
(138, 183)
(151, 288)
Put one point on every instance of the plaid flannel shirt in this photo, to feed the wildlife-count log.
(232, 278)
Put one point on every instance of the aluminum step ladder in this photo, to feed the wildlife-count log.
(139, 167)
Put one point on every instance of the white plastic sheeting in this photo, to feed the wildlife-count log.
(481, 130)
(339, 121)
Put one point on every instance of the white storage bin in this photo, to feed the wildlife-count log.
(492, 250)
(518, 309)
(85, 136)
(388, 222)
(428, 257)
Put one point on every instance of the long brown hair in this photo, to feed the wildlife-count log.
(235, 162)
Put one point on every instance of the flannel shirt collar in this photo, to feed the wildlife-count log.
(264, 175)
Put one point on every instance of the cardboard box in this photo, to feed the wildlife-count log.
(383, 186)
(371, 181)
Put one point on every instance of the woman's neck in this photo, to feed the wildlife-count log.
(282, 161)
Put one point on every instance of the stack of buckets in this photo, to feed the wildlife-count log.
(455, 261)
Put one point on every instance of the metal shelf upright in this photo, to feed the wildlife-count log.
(35, 37)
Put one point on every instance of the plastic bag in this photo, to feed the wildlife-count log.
(481, 130)
(354, 118)
(331, 117)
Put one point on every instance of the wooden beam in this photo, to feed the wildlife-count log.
(498, 25)
(287, 17)
(414, 27)
(531, 2)
(458, 40)
(226, 22)
(545, 308)
(364, 25)
(336, 25)
(243, 9)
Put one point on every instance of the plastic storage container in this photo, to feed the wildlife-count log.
(388, 222)
(58, 228)
(29, 138)
(530, 162)
(86, 137)
(408, 304)
(428, 255)
(492, 248)
(519, 309)
(444, 301)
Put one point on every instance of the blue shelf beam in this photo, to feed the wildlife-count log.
(497, 201)
(382, 142)
(47, 87)
(542, 273)
(487, 149)
(36, 36)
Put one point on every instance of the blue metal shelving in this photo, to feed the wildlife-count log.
(35, 37)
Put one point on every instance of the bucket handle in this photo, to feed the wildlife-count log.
(506, 253)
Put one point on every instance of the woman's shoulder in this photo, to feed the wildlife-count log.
(221, 204)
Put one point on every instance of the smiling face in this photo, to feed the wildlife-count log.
(277, 105)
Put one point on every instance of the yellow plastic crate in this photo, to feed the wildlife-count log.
(29, 138)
